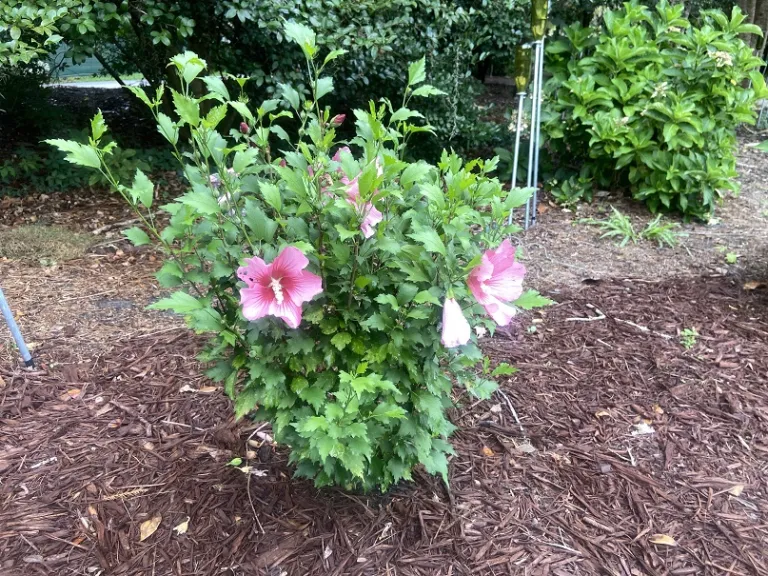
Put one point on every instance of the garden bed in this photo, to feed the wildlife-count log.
(99, 444)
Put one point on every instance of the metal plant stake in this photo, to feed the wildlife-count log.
(539, 12)
(26, 356)
(522, 76)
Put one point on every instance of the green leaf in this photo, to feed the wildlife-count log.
(290, 94)
(388, 299)
(271, 195)
(216, 85)
(303, 36)
(242, 108)
(137, 236)
(427, 90)
(187, 108)
(430, 239)
(345, 233)
(77, 153)
(167, 128)
(244, 159)
(202, 201)
(179, 302)
(403, 114)
(98, 128)
(325, 445)
(417, 72)
(341, 340)
(414, 173)
(532, 299)
(324, 86)
(504, 369)
(245, 402)
(387, 411)
(258, 222)
(142, 190)
(426, 296)
(332, 55)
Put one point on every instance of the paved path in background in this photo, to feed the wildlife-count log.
(106, 84)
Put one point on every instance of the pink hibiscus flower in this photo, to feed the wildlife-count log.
(498, 279)
(455, 326)
(370, 214)
(278, 289)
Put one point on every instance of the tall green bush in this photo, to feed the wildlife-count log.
(336, 284)
(652, 103)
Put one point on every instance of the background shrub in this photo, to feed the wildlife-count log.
(651, 103)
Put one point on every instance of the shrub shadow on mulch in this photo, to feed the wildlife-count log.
(636, 456)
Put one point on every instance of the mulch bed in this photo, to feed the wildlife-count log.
(628, 439)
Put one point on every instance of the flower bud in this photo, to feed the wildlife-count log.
(244, 128)
(338, 120)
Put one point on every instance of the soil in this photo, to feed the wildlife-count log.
(621, 447)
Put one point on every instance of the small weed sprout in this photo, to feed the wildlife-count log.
(689, 337)
(661, 233)
(617, 226)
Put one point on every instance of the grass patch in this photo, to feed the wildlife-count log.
(99, 78)
(45, 244)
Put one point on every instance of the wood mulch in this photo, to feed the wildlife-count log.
(636, 457)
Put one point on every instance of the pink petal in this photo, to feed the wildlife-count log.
(287, 311)
(372, 217)
(256, 301)
(302, 288)
(501, 313)
(290, 262)
(508, 284)
(456, 331)
(255, 270)
(337, 156)
(502, 257)
(353, 189)
(478, 276)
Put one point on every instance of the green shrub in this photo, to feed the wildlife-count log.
(652, 103)
(336, 340)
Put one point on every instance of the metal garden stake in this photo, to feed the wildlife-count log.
(522, 75)
(26, 356)
(539, 12)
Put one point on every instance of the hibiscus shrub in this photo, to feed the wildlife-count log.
(337, 284)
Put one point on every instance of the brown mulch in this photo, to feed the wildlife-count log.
(89, 451)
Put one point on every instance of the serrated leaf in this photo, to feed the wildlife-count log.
(137, 236)
(388, 411)
(417, 72)
(242, 108)
(98, 128)
(414, 173)
(324, 86)
(333, 54)
(388, 299)
(142, 190)
(504, 369)
(167, 128)
(202, 201)
(532, 299)
(271, 195)
(77, 153)
(179, 302)
(187, 108)
(426, 296)
(325, 444)
(216, 85)
(290, 94)
(430, 239)
(341, 340)
(427, 90)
